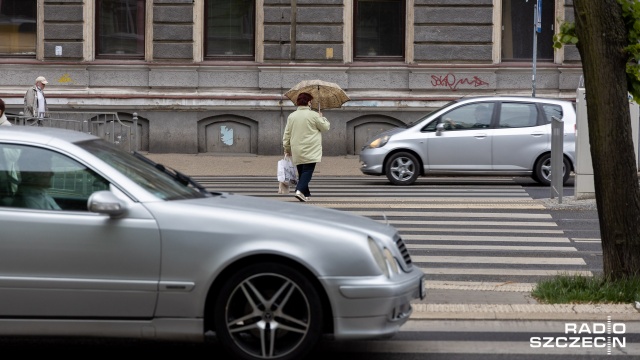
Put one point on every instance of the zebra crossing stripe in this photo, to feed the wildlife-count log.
(501, 272)
(427, 204)
(472, 230)
(474, 223)
(381, 199)
(445, 214)
(498, 260)
(268, 189)
(519, 239)
(491, 247)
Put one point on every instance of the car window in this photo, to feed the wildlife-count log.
(431, 126)
(518, 115)
(468, 117)
(46, 180)
(551, 110)
(145, 175)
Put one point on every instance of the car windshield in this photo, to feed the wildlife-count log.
(142, 173)
(431, 112)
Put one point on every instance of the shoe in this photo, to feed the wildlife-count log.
(300, 196)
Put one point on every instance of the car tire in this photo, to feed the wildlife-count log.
(402, 168)
(268, 310)
(542, 170)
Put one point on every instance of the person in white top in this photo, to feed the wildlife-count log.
(3, 117)
(35, 103)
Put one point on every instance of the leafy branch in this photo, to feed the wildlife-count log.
(566, 35)
(631, 16)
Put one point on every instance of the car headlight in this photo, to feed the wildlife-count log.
(384, 259)
(379, 257)
(391, 261)
(379, 142)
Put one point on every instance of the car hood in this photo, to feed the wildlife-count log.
(292, 211)
(391, 132)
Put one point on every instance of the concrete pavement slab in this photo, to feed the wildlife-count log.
(251, 165)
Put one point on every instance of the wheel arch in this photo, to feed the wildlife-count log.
(535, 162)
(216, 286)
(395, 151)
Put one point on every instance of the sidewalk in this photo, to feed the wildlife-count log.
(251, 165)
(445, 300)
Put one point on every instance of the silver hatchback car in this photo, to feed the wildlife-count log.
(99, 242)
(475, 136)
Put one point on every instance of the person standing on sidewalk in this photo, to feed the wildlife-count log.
(303, 141)
(35, 103)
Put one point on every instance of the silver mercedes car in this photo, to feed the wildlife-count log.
(475, 136)
(99, 242)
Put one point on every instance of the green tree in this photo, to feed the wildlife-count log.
(607, 33)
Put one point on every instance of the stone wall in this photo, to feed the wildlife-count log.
(173, 29)
(63, 28)
(458, 31)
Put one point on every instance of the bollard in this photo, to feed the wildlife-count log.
(557, 154)
(134, 132)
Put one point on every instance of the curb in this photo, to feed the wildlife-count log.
(524, 312)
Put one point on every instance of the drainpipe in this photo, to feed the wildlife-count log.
(294, 20)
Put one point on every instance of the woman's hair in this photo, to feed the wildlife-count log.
(1, 107)
(303, 99)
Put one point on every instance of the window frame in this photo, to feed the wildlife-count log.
(236, 57)
(492, 107)
(503, 30)
(96, 35)
(403, 28)
(535, 106)
(36, 43)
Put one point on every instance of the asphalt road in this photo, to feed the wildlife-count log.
(457, 227)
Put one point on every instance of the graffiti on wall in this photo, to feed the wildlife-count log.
(452, 82)
(226, 135)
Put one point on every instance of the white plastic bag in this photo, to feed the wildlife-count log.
(287, 175)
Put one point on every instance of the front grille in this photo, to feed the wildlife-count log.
(404, 252)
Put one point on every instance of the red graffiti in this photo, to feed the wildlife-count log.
(452, 82)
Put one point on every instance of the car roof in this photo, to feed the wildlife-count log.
(42, 135)
(511, 98)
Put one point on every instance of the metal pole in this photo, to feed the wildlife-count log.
(135, 134)
(535, 50)
(557, 155)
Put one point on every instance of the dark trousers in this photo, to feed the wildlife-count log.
(305, 172)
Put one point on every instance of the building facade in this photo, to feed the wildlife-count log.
(207, 76)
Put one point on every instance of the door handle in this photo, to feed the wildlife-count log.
(537, 134)
(480, 136)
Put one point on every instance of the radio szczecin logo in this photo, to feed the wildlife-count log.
(607, 335)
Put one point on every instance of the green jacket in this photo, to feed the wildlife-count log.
(302, 138)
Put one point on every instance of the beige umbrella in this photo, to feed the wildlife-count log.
(325, 94)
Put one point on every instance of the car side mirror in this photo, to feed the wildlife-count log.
(439, 129)
(105, 202)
